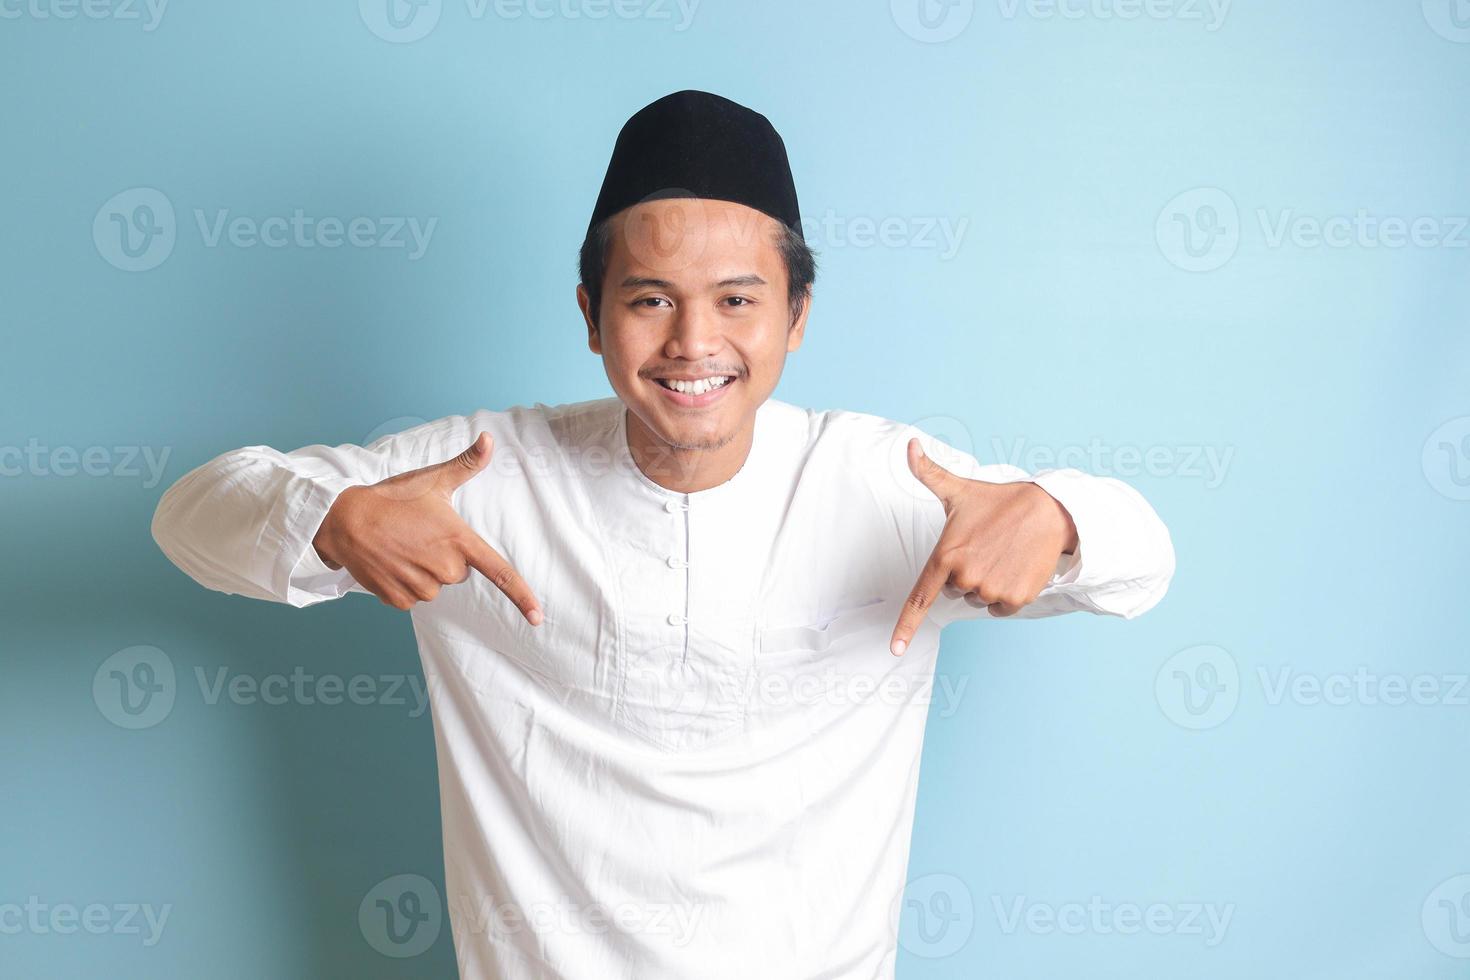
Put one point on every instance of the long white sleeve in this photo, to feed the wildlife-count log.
(243, 522)
(1124, 560)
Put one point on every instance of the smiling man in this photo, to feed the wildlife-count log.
(680, 641)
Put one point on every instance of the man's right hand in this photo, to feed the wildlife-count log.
(402, 540)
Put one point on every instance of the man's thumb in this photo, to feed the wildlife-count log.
(930, 473)
(456, 472)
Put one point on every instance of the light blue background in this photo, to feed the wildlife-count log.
(1332, 540)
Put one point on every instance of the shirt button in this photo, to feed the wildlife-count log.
(673, 506)
(675, 619)
(676, 562)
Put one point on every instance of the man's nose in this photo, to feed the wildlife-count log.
(696, 333)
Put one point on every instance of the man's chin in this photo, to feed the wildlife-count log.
(688, 430)
(687, 438)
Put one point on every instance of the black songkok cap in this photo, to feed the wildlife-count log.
(694, 144)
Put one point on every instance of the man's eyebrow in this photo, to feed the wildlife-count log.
(646, 282)
(749, 279)
(642, 282)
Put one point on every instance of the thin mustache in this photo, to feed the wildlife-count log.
(738, 373)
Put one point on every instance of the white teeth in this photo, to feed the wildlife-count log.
(697, 387)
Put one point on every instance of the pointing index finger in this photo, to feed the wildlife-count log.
(916, 606)
(491, 564)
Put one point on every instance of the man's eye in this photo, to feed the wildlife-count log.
(738, 301)
(649, 300)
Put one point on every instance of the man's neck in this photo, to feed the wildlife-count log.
(685, 470)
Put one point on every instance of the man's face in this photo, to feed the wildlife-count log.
(694, 297)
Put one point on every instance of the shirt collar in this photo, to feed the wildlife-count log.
(764, 447)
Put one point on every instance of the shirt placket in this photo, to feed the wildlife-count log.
(678, 559)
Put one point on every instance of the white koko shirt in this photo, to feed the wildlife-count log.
(704, 762)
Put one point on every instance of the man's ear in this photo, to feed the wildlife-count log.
(798, 326)
(584, 303)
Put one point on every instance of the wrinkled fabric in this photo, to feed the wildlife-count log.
(704, 762)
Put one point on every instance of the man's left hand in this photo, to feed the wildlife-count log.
(999, 547)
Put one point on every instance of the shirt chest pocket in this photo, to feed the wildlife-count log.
(569, 656)
(815, 639)
(688, 693)
(810, 673)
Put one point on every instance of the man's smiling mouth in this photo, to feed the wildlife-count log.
(696, 386)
